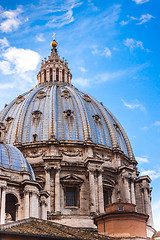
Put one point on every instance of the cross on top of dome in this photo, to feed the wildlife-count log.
(54, 69)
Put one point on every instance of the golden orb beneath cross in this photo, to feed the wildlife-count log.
(54, 44)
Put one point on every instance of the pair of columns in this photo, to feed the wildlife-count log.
(92, 185)
(2, 204)
(31, 204)
(57, 188)
(129, 190)
(147, 203)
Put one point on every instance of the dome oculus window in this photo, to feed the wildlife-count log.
(65, 94)
(86, 98)
(36, 114)
(97, 118)
(68, 113)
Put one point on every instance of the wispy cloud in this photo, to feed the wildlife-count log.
(140, 1)
(111, 76)
(10, 20)
(141, 20)
(145, 128)
(143, 159)
(135, 105)
(4, 43)
(145, 18)
(133, 44)
(40, 37)
(82, 69)
(156, 124)
(151, 173)
(106, 52)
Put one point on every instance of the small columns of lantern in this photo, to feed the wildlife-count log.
(54, 69)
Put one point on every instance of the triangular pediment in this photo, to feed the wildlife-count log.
(72, 179)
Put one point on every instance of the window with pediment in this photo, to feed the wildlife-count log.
(20, 99)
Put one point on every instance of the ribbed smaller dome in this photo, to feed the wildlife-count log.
(12, 158)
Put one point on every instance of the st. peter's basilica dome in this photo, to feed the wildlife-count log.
(80, 154)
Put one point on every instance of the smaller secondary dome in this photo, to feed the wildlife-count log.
(12, 158)
(54, 44)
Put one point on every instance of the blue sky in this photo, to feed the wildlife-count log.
(112, 48)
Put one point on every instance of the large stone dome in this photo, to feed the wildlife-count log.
(61, 111)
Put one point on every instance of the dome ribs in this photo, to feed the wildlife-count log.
(84, 119)
(67, 114)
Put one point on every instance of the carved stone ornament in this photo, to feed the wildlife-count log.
(34, 153)
(41, 94)
(36, 114)
(99, 156)
(65, 94)
(97, 118)
(86, 98)
(71, 153)
(9, 120)
(68, 113)
(20, 99)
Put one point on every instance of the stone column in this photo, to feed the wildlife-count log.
(54, 74)
(34, 205)
(133, 198)
(26, 204)
(48, 75)
(60, 75)
(127, 190)
(147, 203)
(3, 205)
(100, 193)
(92, 190)
(48, 187)
(44, 210)
(57, 190)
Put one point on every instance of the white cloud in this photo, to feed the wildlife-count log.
(156, 123)
(82, 69)
(142, 19)
(133, 106)
(40, 38)
(4, 43)
(151, 173)
(132, 44)
(60, 21)
(5, 68)
(140, 1)
(142, 159)
(10, 20)
(123, 23)
(21, 60)
(145, 18)
(7, 85)
(145, 128)
(106, 52)
(84, 82)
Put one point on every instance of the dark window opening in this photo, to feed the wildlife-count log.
(107, 197)
(71, 197)
(120, 208)
(11, 207)
(56, 77)
(35, 137)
